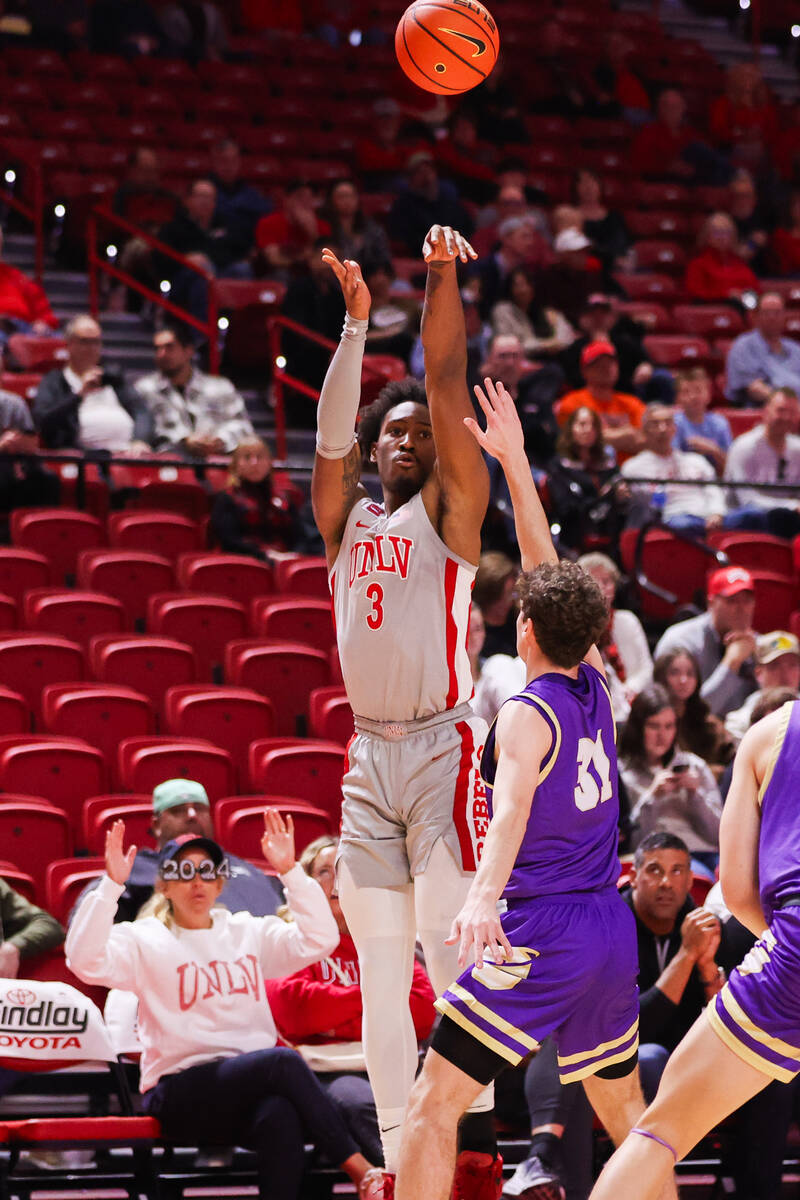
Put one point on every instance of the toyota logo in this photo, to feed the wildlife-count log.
(21, 996)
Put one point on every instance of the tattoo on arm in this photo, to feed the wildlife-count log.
(351, 471)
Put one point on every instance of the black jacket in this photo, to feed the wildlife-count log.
(55, 410)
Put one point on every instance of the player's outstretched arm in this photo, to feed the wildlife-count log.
(523, 739)
(335, 483)
(741, 824)
(504, 440)
(461, 474)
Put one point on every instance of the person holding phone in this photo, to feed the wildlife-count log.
(669, 789)
(205, 1025)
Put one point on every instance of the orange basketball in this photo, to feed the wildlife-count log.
(446, 46)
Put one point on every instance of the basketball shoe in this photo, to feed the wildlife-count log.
(478, 1177)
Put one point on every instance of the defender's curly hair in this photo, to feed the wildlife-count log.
(398, 391)
(567, 609)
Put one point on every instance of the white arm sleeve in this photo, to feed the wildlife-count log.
(341, 392)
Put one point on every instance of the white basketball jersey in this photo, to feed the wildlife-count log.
(401, 604)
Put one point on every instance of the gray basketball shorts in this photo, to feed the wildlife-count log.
(404, 791)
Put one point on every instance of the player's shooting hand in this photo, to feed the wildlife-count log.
(356, 293)
(119, 862)
(503, 437)
(277, 843)
(444, 244)
(476, 927)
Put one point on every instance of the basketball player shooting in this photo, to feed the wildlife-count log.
(414, 811)
(562, 960)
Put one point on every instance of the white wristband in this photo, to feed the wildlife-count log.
(341, 392)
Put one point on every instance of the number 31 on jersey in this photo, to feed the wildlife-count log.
(593, 786)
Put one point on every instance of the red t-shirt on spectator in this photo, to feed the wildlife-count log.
(22, 299)
(314, 1005)
(730, 123)
(712, 276)
(655, 147)
(276, 230)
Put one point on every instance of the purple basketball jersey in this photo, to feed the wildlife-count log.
(779, 839)
(570, 844)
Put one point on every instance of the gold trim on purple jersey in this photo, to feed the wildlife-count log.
(777, 746)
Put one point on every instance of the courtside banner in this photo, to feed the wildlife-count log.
(50, 1021)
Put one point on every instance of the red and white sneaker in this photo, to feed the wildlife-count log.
(377, 1184)
(477, 1177)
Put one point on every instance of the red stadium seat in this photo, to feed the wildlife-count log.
(165, 533)
(21, 882)
(310, 770)
(306, 576)
(676, 350)
(8, 613)
(100, 813)
(95, 488)
(676, 567)
(130, 575)
(294, 619)
(34, 353)
(66, 879)
(57, 533)
(240, 826)
(62, 770)
(653, 316)
(144, 762)
(741, 419)
(28, 663)
(15, 715)
(776, 598)
(207, 623)
(758, 552)
(285, 673)
(21, 570)
(648, 287)
(708, 320)
(24, 384)
(658, 224)
(330, 716)
(148, 664)
(33, 833)
(186, 497)
(78, 616)
(105, 712)
(229, 717)
(657, 255)
(232, 575)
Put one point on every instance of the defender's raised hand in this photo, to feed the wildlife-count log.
(444, 244)
(119, 862)
(277, 844)
(503, 437)
(356, 293)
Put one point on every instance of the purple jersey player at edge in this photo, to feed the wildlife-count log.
(750, 1033)
(562, 960)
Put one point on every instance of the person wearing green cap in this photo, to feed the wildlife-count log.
(182, 806)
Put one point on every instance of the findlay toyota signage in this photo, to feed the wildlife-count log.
(47, 1019)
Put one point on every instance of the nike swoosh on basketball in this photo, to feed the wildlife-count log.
(478, 43)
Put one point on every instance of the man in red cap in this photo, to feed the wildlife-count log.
(620, 412)
(721, 639)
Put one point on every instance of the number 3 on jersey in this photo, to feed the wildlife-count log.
(374, 594)
(591, 753)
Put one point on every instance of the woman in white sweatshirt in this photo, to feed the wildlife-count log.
(211, 1071)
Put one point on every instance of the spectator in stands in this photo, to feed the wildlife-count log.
(319, 1010)
(222, 1050)
(286, 239)
(255, 514)
(669, 789)
(533, 387)
(193, 29)
(699, 731)
(752, 224)
(786, 240)
(618, 90)
(718, 273)
(141, 198)
(567, 284)
(769, 453)
(192, 412)
(763, 359)
(605, 227)
(624, 643)
(518, 247)
(381, 157)
(678, 945)
(721, 640)
(314, 299)
(24, 308)
(777, 666)
(743, 122)
(180, 807)
(542, 331)
(670, 494)
(493, 593)
(199, 236)
(423, 200)
(585, 497)
(601, 321)
(621, 414)
(240, 206)
(511, 201)
(88, 406)
(466, 159)
(697, 429)
(669, 148)
(394, 316)
(354, 234)
(25, 931)
(24, 483)
(554, 86)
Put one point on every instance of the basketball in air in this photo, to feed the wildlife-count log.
(447, 46)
